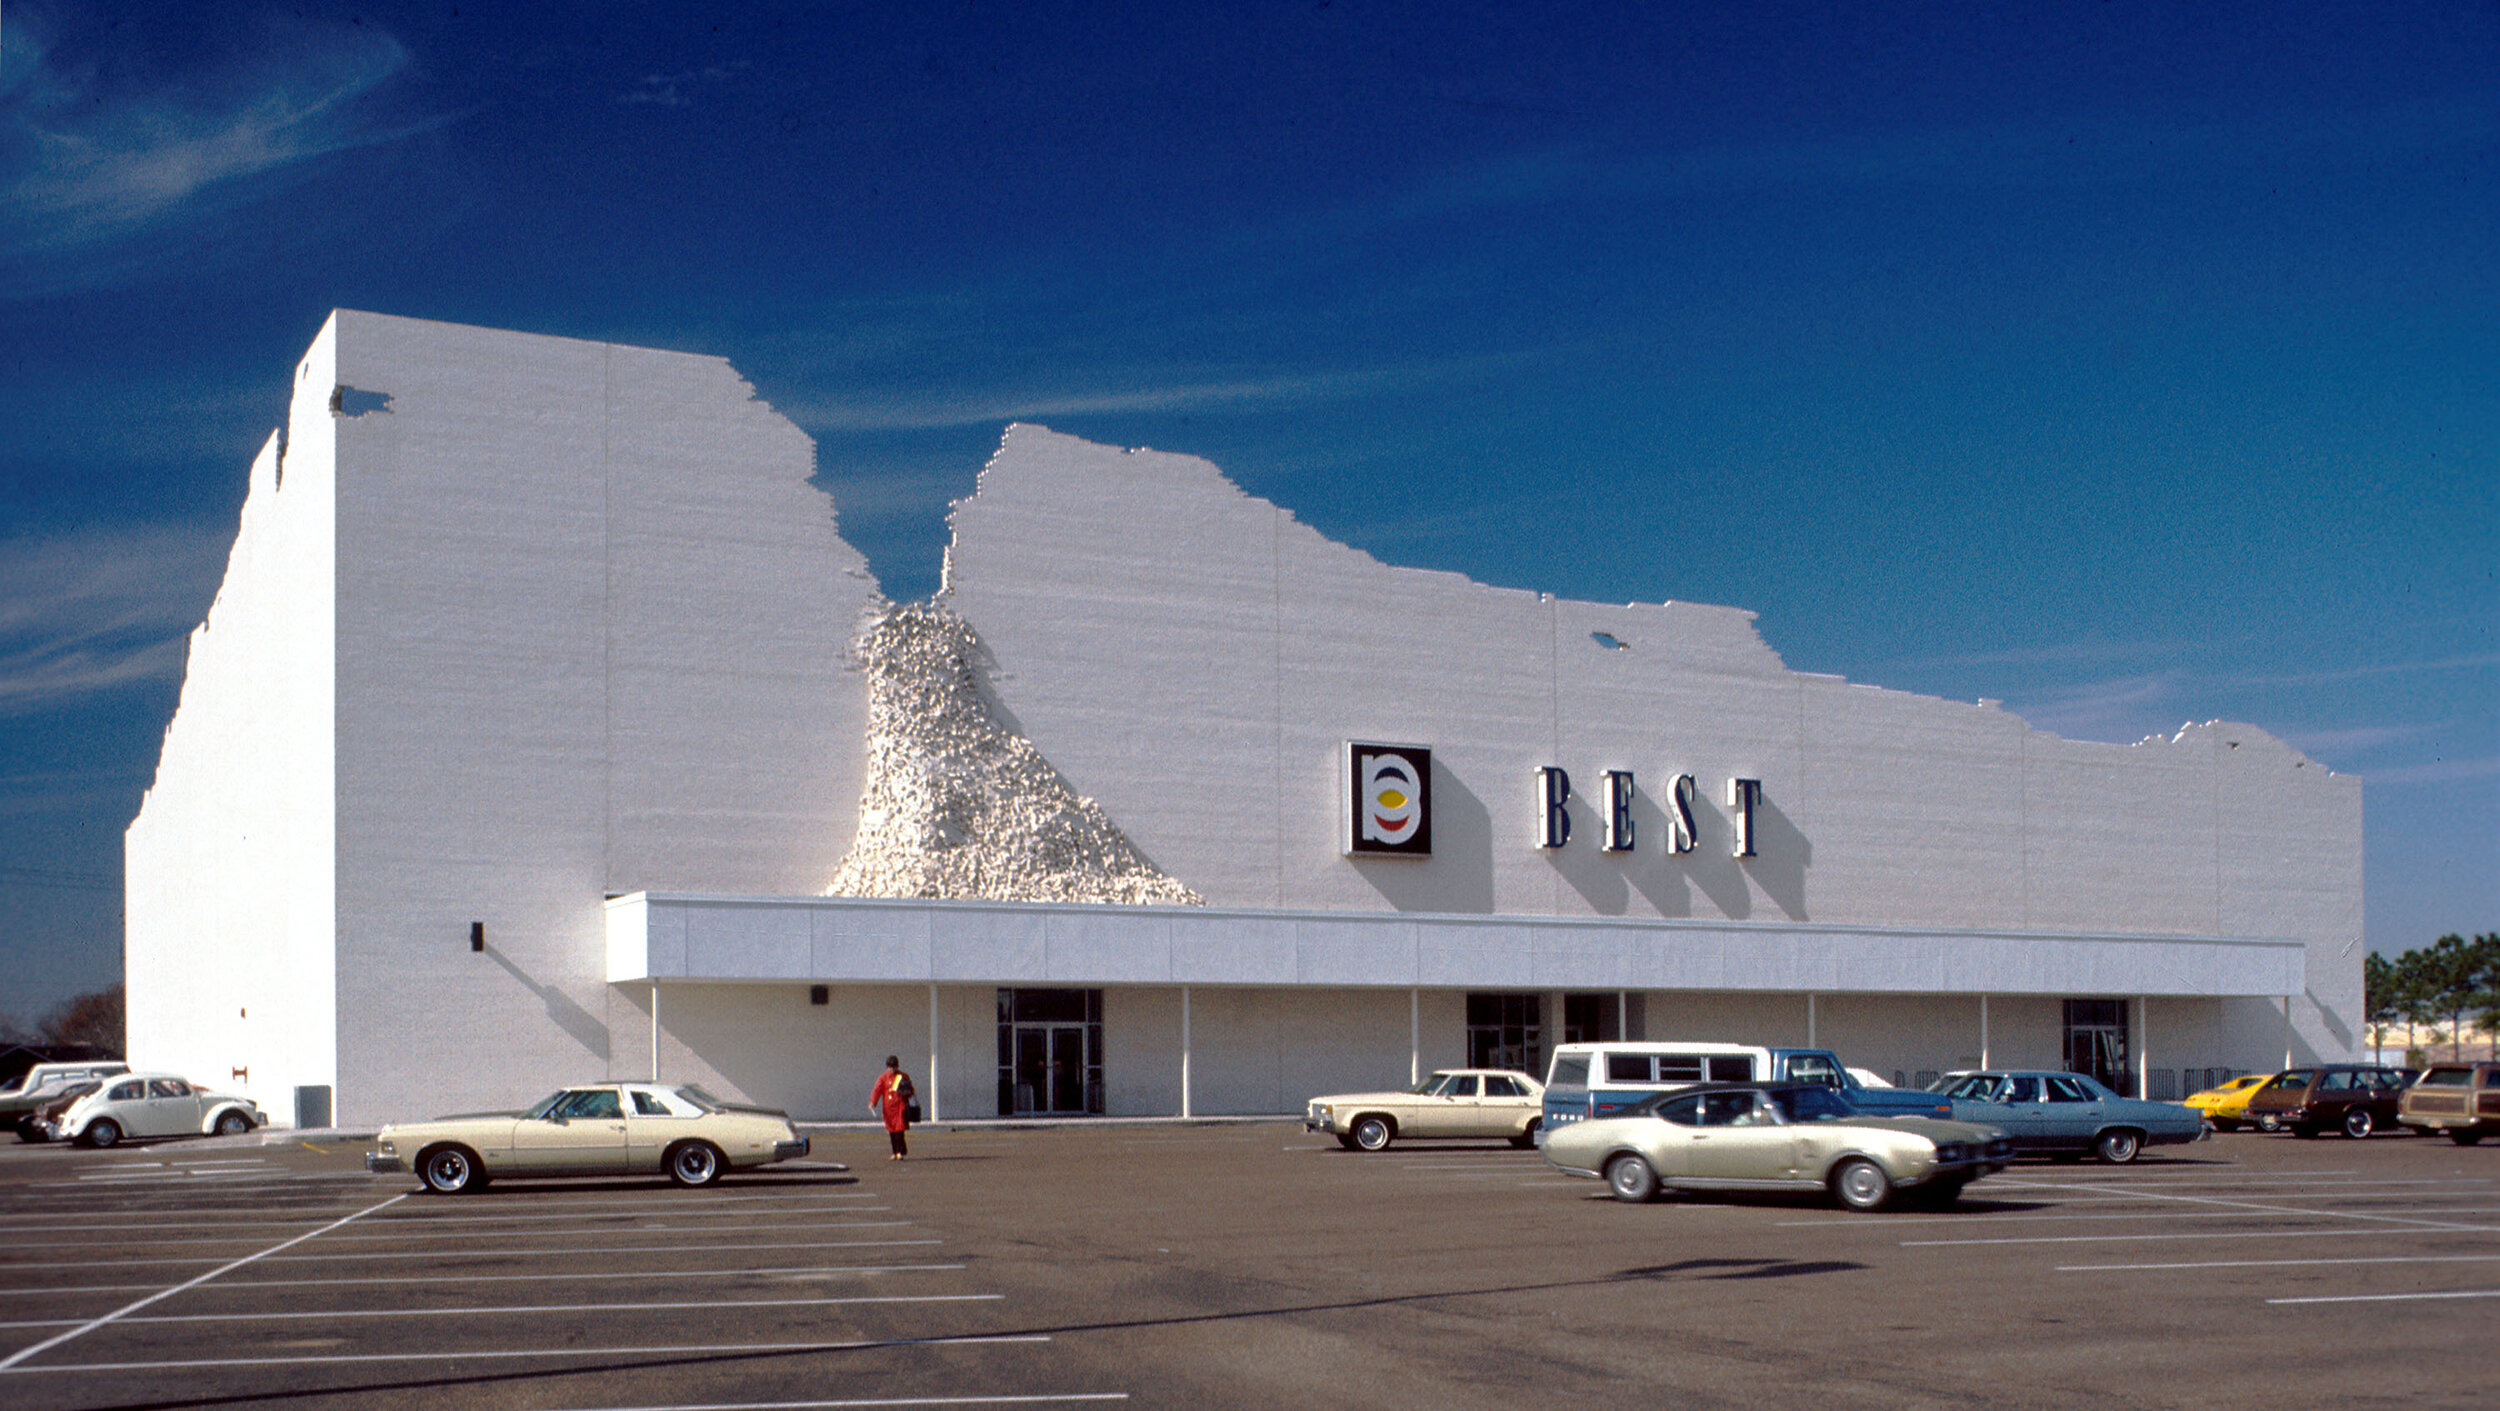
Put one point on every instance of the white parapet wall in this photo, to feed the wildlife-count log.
(1198, 668)
(517, 623)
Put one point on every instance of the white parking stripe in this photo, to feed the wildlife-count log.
(2171, 1183)
(2286, 1263)
(573, 1252)
(575, 1276)
(2256, 1207)
(508, 1309)
(2390, 1297)
(407, 1236)
(686, 1350)
(20, 1356)
(1992, 1218)
(1036, 1399)
(690, 1205)
(2189, 1235)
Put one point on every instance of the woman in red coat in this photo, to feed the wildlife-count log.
(889, 1099)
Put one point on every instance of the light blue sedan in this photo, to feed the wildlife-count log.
(2067, 1115)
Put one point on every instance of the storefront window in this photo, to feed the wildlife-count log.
(2096, 1041)
(1506, 1030)
(1591, 1019)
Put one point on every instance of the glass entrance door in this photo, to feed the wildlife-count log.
(1049, 1051)
(1050, 1068)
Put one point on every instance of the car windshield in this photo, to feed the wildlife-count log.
(1813, 1105)
(700, 1098)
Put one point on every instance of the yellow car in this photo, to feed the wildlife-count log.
(2222, 1106)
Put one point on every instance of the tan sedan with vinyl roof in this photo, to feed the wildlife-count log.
(600, 1129)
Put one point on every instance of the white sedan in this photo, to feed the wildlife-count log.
(1455, 1102)
(600, 1129)
(153, 1105)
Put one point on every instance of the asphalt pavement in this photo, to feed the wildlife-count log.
(1239, 1264)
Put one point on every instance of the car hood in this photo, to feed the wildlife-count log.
(1935, 1129)
(1379, 1099)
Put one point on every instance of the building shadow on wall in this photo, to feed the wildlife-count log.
(1781, 856)
(1712, 865)
(587, 1029)
(1458, 877)
(1657, 874)
(1584, 864)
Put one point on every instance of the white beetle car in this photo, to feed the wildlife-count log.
(139, 1105)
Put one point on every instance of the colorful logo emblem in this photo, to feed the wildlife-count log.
(1390, 803)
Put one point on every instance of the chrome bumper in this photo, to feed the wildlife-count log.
(783, 1151)
(381, 1165)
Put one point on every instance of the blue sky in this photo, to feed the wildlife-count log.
(2133, 364)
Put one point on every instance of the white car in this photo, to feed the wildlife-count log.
(1454, 1102)
(603, 1129)
(140, 1105)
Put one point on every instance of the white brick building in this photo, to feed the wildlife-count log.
(551, 653)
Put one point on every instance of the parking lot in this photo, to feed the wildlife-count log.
(1240, 1265)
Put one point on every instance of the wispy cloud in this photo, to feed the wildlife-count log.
(1112, 392)
(84, 161)
(81, 615)
(677, 90)
(2118, 709)
(2438, 771)
(2374, 671)
(2360, 739)
(2078, 652)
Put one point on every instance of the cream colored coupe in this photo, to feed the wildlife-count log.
(1455, 1102)
(604, 1129)
(1777, 1137)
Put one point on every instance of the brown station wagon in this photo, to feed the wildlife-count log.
(2355, 1099)
(2461, 1099)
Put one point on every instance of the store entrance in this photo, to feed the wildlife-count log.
(1049, 1052)
(2096, 1041)
(1050, 1068)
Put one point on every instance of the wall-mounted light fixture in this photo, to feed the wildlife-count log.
(477, 935)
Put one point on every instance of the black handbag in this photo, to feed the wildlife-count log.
(911, 1112)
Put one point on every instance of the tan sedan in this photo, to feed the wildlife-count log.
(603, 1129)
(1777, 1137)
(1454, 1102)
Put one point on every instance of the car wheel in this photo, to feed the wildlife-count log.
(1632, 1179)
(2269, 1123)
(1860, 1184)
(2358, 1123)
(1527, 1137)
(2118, 1146)
(449, 1170)
(2464, 1136)
(233, 1124)
(28, 1131)
(1374, 1133)
(103, 1131)
(693, 1164)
